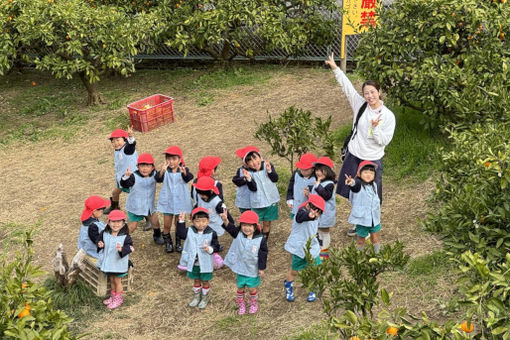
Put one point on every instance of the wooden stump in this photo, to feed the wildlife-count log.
(65, 275)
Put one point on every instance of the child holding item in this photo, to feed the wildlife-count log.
(247, 257)
(124, 156)
(114, 247)
(304, 227)
(324, 186)
(301, 182)
(140, 200)
(208, 166)
(174, 196)
(242, 192)
(261, 178)
(201, 242)
(91, 225)
(366, 207)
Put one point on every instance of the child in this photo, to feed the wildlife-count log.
(242, 192)
(304, 227)
(140, 200)
(201, 242)
(174, 196)
(114, 246)
(324, 186)
(261, 178)
(124, 156)
(366, 208)
(301, 182)
(208, 166)
(91, 225)
(247, 257)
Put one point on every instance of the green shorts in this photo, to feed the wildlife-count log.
(292, 216)
(241, 210)
(268, 213)
(363, 231)
(195, 274)
(121, 188)
(135, 218)
(250, 282)
(299, 263)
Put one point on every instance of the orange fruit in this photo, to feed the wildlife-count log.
(465, 328)
(501, 36)
(354, 337)
(24, 312)
(24, 285)
(503, 1)
(67, 37)
(34, 83)
(487, 164)
(392, 331)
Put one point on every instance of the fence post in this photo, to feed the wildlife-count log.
(343, 64)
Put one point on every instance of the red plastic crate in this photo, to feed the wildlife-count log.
(151, 112)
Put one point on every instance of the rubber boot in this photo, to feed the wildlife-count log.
(289, 290)
(109, 300)
(204, 301)
(148, 224)
(113, 205)
(116, 301)
(254, 304)
(157, 236)
(168, 243)
(240, 302)
(324, 254)
(196, 300)
(178, 247)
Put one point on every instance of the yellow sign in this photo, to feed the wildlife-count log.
(357, 13)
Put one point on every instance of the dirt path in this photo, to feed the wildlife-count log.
(47, 183)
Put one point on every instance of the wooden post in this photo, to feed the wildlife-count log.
(343, 64)
(65, 275)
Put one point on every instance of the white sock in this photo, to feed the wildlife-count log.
(326, 239)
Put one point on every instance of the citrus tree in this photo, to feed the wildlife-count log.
(447, 58)
(227, 28)
(77, 38)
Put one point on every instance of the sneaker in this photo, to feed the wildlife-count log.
(203, 301)
(289, 290)
(352, 232)
(311, 297)
(196, 300)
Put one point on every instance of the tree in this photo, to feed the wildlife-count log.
(227, 28)
(447, 58)
(69, 38)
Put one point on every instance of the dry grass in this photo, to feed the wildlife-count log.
(49, 181)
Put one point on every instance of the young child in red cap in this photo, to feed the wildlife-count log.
(304, 228)
(114, 246)
(124, 156)
(260, 177)
(140, 200)
(242, 201)
(91, 226)
(208, 166)
(324, 186)
(201, 242)
(174, 197)
(301, 182)
(247, 257)
(366, 205)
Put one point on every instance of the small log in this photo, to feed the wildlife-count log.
(60, 265)
(77, 265)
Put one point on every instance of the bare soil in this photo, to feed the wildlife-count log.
(47, 182)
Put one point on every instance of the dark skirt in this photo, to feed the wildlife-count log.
(350, 167)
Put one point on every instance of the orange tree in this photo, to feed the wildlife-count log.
(447, 58)
(74, 37)
(227, 28)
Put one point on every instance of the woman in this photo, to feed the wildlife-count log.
(374, 131)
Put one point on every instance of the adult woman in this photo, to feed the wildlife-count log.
(374, 131)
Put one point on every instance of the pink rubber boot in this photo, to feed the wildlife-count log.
(109, 300)
(240, 302)
(116, 301)
(254, 304)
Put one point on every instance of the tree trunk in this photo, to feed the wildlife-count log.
(95, 97)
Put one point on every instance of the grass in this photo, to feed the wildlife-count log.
(11, 235)
(428, 268)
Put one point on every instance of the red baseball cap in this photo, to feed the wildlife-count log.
(250, 217)
(325, 161)
(306, 161)
(116, 215)
(316, 200)
(145, 158)
(176, 151)
(243, 152)
(207, 165)
(199, 209)
(119, 133)
(92, 203)
(364, 164)
(205, 183)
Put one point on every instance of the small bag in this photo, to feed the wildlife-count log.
(351, 135)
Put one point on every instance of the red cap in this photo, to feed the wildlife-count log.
(174, 150)
(199, 209)
(243, 152)
(306, 161)
(92, 203)
(364, 164)
(145, 158)
(316, 200)
(205, 183)
(116, 215)
(207, 165)
(119, 133)
(250, 217)
(325, 161)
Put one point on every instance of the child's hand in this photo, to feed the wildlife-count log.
(224, 216)
(118, 246)
(349, 180)
(132, 248)
(376, 121)
(312, 214)
(268, 166)
(290, 204)
(130, 131)
(100, 244)
(320, 177)
(183, 170)
(331, 61)
(128, 172)
(261, 273)
(246, 174)
(164, 166)
(182, 216)
(205, 247)
(306, 191)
